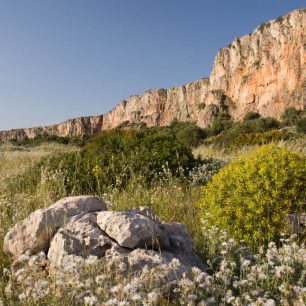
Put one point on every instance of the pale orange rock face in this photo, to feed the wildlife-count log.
(263, 72)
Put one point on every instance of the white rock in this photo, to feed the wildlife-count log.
(145, 211)
(130, 230)
(80, 237)
(33, 234)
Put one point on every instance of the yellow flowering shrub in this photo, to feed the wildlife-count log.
(251, 196)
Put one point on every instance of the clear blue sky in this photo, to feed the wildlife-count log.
(61, 59)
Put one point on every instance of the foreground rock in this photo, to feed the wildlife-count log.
(81, 237)
(130, 230)
(33, 234)
(76, 231)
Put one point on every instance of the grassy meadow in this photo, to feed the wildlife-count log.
(172, 184)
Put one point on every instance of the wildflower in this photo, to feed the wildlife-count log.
(100, 279)
(153, 297)
(22, 296)
(90, 300)
(6, 272)
(210, 300)
(128, 288)
(185, 282)
(269, 302)
(191, 297)
(115, 289)
(97, 169)
(229, 296)
(111, 302)
(136, 297)
(245, 263)
(175, 264)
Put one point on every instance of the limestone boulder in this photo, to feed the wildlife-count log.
(33, 234)
(146, 212)
(129, 229)
(80, 237)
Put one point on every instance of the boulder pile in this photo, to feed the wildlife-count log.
(78, 229)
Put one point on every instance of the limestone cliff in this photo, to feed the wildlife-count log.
(264, 72)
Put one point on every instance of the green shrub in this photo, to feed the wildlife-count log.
(110, 160)
(301, 125)
(260, 138)
(251, 196)
(251, 116)
(201, 106)
(290, 116)
(46, 138)
(187, 133)
(228, 137)
(220, 124)
(191, 135)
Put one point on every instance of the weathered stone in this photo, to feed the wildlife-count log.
(115, 244)
(178, 244)
(145, 211)
(80, 237)
(33, 234)
(130, 230)
(176, 236)
(297, 223)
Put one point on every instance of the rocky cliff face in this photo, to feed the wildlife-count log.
(264, 72)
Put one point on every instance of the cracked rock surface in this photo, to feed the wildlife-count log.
(76, 229)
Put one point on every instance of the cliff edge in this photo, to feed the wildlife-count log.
(263, 72)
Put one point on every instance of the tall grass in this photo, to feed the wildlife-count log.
(172, 199)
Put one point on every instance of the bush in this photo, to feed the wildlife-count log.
(191, 135)
(290, 116)
(251, 116)
(301, 125)
(260, 138)
(251, 196)
(220, 124)
(110, 160)
(187, 133)
(228, 137)
(46, 138)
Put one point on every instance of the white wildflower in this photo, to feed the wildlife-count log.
(245, 263)
(269, 302)
(191, 297)
(153, 297)
(22, 296)
(175, 264)
(111, 302)
(114, 289)
(136, 297)
(90, 300)
(100, 279)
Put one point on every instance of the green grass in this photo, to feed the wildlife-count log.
(173, 199)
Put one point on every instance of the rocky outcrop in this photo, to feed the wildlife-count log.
(75, 230)
(33, 234)
(263, 72)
